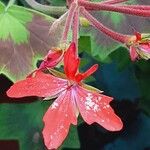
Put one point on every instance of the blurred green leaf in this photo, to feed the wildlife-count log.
(85, 44)
(23, 122)
(100, 50)
(142, 73)
(24, 38)
(72, 140)
(115, 17)
(121, 57)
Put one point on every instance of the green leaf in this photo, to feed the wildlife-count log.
(85, 44)
(72, 140)
(115, 17)
(24, 38)
(101, 47)
(10, 26)
(121, 57)
(23, 122)
(13, 24)
(2, 6)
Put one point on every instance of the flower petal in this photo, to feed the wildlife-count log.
(71, 61)
(138, 36)
(82, 76)
(42, 85)
(145, 48)
(52, 59)
(133, 53)
(94, 107)
(58, 119)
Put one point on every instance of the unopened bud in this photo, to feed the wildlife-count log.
(84, 22)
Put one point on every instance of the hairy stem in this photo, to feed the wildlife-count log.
(75, 28)
(51, 10)
(69, 21)
(140, 7)
(114, 8)
(114, 35)
(113, 1)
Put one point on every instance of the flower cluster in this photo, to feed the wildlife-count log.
(139, 47)
(72, 95)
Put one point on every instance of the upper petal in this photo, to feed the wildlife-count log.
(94, 107)
(82, 76)
(57, 120)
(42, 85)
(71, 61)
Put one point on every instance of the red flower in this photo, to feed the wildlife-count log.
(73, 97)
(139, 46)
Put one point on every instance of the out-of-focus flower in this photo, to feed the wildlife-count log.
(52, 59)
(73, 96)
(139, 46)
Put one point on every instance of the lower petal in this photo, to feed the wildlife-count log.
(94, 107)
(58, 119)
(133, 53)
(145, 48)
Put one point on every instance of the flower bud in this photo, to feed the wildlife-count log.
(53, 57)
(84, 22)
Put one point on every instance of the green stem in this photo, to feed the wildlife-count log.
(10, 3)
(51, 10)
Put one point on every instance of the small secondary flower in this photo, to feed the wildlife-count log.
(139, 46)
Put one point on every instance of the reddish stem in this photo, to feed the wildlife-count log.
(115, 8)
(113, 1)
(75, 28)
(114, 35)
(68, 2)
(141, 7)
(69, 21)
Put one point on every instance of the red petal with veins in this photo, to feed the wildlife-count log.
(133, 53)
(42, 85)
(94, 107)
(58, 119)
(71, 61)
